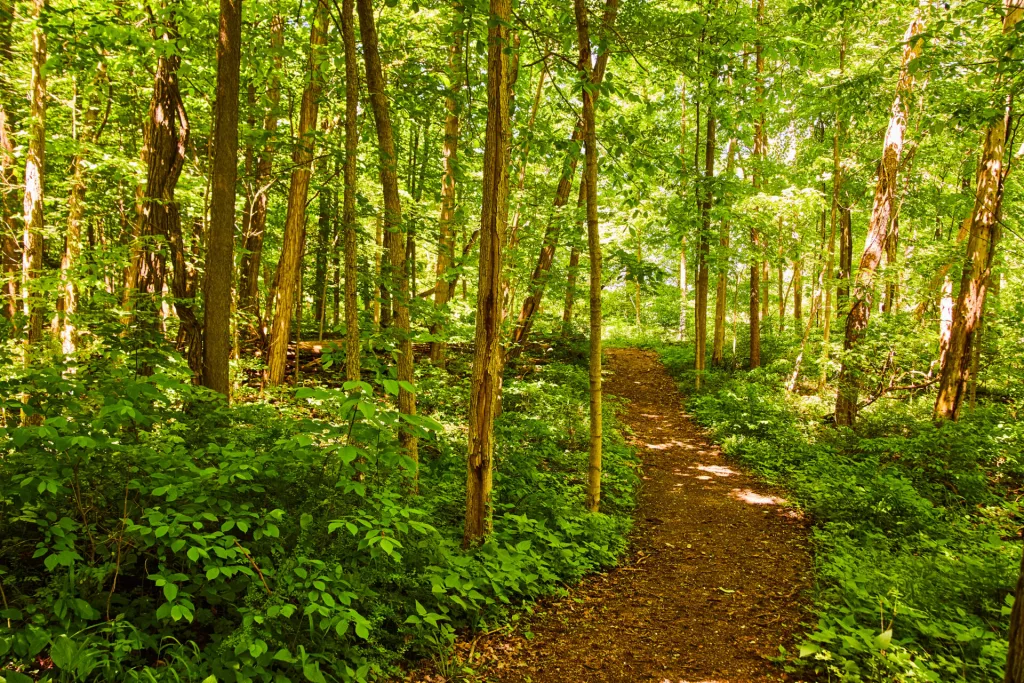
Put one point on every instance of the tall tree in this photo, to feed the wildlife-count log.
(683, 293)
(981, 249)
(10, 261)
(35, 165)
(590, 82)
(881, 215)
(549, 243)
(722, 287)
(396, 277)
(449, 159)
(485, 392)
(255, 219)
(703, 246)
(837, 183)
(221, 239)
(295, 221)
(349, 221)
(760, 146)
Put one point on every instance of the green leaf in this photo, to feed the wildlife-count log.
(63, 652)
(170, 591)
(883, 639)
(311, 670)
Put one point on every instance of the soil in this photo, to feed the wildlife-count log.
(716, 577)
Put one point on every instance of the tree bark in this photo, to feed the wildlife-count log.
(881, 215)
(760, 145)
(353, 362)
(549, 244)
(830, 259)
(683, 293)
(703, 246)
(256, 211)
(722, 288)
(221, 240)
(323, 249)
(485, 395)
(298, 190)
(449, 157)
(981, 249)
(397, 278)
(10, 258)
(591, 80)
(35, 165)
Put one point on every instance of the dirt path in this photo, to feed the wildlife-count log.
(714, 582)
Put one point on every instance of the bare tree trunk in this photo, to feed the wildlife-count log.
(35, 165)
(707, 200)
(449, 156)
(881, 214)
(549, 244)
(10, 258)
(981, 248)
(683, 292)
(298, 190)
(320, 261)
(256, 213)
(830, 260)
(570, 290)
(760, 145)
(485, 395)
(392, 218)
(591, 80)
(353, 362)
(845, 257)
(722, 289)
(221, 241)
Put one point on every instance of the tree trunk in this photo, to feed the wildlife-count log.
(221, 240)
(449, 158)
(707, 200)
(981, 248)
(722, 289)
(398, 281)
(35, 165)
(845, 257)
(591, 79)
(830, 259)
(298, 189)
(10, 259)
(881, 214)
(353, 361)
(570, 290)
(760, 145)
(256, 213)
(323, 248)
(683, 293)
(549, 244)
(485, 395)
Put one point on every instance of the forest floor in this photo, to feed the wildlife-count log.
(714, 583)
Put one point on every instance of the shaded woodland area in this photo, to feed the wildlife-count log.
(304, 305)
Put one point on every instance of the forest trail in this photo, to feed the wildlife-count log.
(713, 582)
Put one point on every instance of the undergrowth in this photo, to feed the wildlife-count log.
(915, 525)
(149, 532)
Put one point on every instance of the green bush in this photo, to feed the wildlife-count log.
(152, 533)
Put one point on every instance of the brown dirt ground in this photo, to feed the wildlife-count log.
(716, 576)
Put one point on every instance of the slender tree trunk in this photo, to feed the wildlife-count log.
(321, 258)
(353, 362)
(256, 213)
(10, 258)
(974, 283)
(570, 290)
(798, 289)
(298, 190)
(35, 165)
(392, 217)
(221, 241)
(830, 260)
(707, 200)
(845, 257)
(722, 289)
(449, 157)
(591, 79)
(760, 145)
(683, 292)
(485, 395)
(378, 257)
(881, 214)
(549, 244)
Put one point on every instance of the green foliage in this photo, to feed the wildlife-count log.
(914, 532)
(150, 532)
